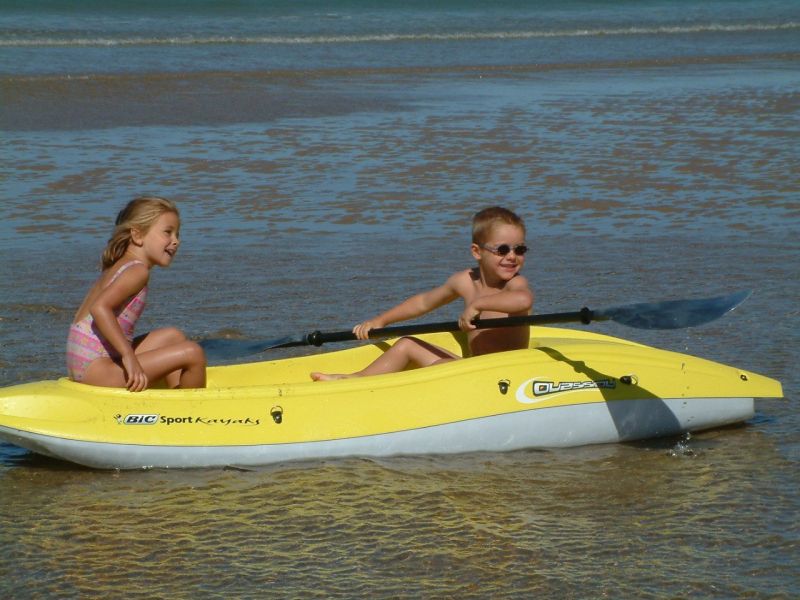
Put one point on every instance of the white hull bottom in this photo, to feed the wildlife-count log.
(557, 427)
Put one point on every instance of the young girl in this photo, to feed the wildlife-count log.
(101, 349)
(492, 289)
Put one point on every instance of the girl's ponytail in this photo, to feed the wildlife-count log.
(116, 247)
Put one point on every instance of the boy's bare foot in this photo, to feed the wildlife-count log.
(317, 376)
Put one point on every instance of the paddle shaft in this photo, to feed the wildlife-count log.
(585, 316)
(669, 314)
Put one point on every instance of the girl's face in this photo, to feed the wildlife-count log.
(161, 241)
(499, 256)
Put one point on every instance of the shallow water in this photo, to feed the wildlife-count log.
(320, 195)
(569, 523)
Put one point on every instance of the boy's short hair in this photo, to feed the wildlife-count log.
(485, 219)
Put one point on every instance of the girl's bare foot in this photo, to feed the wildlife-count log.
(317, 376)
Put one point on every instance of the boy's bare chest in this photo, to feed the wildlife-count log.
(477, 289)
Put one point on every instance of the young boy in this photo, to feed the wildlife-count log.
(492, 289)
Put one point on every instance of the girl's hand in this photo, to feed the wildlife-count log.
(465, 320)
(362, 329)
(136, 380)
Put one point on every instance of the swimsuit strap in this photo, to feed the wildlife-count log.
(123, 268)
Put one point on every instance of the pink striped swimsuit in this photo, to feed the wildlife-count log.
(85, 343)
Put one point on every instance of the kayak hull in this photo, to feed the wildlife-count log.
(561, 427)
(570, 388)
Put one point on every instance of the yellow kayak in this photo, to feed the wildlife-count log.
(569, 388)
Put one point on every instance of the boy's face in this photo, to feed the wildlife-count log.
(490, 257)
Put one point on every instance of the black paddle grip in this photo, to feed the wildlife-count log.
(317, 338)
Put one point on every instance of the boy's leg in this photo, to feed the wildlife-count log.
(404, 352)
(407, 351)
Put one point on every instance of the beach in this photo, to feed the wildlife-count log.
(327, 159)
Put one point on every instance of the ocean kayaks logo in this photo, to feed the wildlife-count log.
(537, 389)
(155, 419)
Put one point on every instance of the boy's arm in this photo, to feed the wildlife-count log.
(515, 299)
(415, 306)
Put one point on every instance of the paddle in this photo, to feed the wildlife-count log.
(670, 314)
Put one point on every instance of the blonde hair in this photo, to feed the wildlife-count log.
(140, 214)
(484, 220)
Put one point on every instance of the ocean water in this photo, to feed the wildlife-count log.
(327, 158)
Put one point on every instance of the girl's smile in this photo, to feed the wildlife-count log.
(161, 241)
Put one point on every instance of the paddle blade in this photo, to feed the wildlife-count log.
(228, 348)
(672, 314)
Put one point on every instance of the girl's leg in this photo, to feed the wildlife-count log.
(406, 351)
(170, 356)
(163, 354)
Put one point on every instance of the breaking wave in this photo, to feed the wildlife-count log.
(189, 40)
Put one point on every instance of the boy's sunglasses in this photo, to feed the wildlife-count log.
(504, 249)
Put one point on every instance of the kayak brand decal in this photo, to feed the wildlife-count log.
(137, 419)
(537, 389)
(154, 419)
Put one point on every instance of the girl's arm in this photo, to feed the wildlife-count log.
(515, 299)
(128, 284)
(415, 306)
